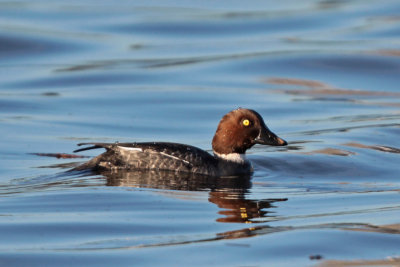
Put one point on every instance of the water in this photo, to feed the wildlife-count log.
(323, 74)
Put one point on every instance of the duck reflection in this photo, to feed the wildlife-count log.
(228, 193)
(237, 209)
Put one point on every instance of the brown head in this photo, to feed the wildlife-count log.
(241, 129)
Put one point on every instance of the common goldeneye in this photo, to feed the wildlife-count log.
(237, 131)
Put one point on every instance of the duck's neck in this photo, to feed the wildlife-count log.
(232, 157)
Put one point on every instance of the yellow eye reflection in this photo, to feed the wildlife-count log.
(246, 122)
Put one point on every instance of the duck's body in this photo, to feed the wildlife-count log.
(163, 156)
(238, 130)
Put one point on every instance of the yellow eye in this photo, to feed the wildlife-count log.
(246, 122)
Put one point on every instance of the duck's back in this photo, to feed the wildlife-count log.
(151, 155)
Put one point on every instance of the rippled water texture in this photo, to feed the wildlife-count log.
(323, 74)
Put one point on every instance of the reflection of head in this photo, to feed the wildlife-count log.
(240, 210)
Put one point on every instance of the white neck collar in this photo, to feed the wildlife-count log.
(233, 157)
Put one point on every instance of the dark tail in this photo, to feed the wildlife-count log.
(94, 146)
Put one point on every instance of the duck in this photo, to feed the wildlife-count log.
(238, 131)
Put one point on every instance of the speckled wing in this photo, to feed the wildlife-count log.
(152, 155)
